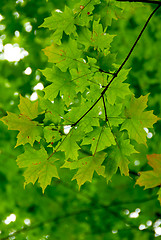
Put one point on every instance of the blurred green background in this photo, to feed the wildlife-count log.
(119, 210)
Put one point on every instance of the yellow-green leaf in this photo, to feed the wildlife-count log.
(39, 166)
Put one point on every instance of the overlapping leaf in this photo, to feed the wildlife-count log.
(152, 178)
(61, 81)
(137, 119)
(60, 22)
(118, 89)
(100, 138)
(64, 56)
(29, 131)
(87, 166)
(39, 166)
(96, 38)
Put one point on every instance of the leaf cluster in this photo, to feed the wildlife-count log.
(88, 95)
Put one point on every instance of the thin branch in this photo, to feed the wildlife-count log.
(82, 9)
(60, 144)
(119, 69)
(143, 29)
(104, 104)
(107, 120)
(141, 1)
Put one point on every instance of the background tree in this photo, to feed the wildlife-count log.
(98, 211)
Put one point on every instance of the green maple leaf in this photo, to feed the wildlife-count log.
(61, 81)
(82, 77)
(51, 134)
(152, 178)
(137, 119)
(27, 108)
(86, 167)
(69, 144)
(100, 138)
(88, 121)
(39, 166)
(118, 157)
(105, 60)
(118, 89)
(114, 114)
(60, 22)
(100, 39)
(29, 131)
(96, 38)
(83, 11)
(108, 10)
(54, 110)
(65, 56)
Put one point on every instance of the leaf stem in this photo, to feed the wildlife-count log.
(104, 104)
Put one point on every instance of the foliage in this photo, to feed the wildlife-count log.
(89, 92)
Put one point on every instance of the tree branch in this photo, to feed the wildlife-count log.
(119, 69)
(103, 98)
(141, 1)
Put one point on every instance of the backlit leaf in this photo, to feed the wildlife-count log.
(39, 167)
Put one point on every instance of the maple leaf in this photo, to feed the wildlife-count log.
(100, 39)
(100, 138)
(96, 38)
(39, 166)
(51, 134)
(60, 22)
(65, 56)
(114, 114)
(86, 167)
(27, 108)
(137, 119)
(152, 178)
(118, 157)
(69, 144)
(82, 77)
(89, 120)
(29, 131)
(61, 81)
(108, 10)
(54, 110)
(83, 11)
(118, 89)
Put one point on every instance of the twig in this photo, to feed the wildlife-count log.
(104, 104)
(141, 1)
(119, 69)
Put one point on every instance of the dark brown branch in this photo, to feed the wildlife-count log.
(141, 1)
(119, 69)
(143, 29)
(106, 119)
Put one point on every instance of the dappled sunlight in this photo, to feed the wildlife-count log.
(39, 86)
(34, 96)
(67, 129)
(27, 221)
(28, 71)
(13, 53)
(10, 218)
(135, 214)
(28, 27)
